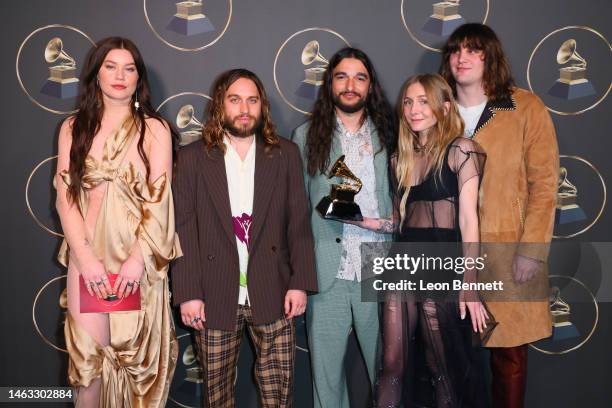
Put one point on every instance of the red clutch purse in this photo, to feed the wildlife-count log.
(91, 304)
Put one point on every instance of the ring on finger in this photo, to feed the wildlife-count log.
(195, 320)
(130, 284)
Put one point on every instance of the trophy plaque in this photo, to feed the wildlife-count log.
(340, 204)
(313, 76)
(572, 82)
(567, 210)
(444, 19)
(62, 82)
(185, 119)
(563, 328)
(190, 19)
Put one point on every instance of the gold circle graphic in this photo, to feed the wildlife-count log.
(176, 47)
(588, 337)
(168, 99)
(538, 46)
(422, 44)
(27, 199)
(42, 336)
(40, 105)
(327, 30)
(603, 204)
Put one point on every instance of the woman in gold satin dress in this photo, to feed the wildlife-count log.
(115, 204)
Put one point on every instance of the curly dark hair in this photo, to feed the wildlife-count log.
(497, 79)
(323, 122)
(213, 131)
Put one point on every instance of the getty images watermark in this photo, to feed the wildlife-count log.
(442, 270)
(422, 264)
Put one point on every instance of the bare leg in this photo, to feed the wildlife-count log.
(399, 322)
(96, 325)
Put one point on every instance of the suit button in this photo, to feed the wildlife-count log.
(211, 257)
(273, 249)
(338, 240)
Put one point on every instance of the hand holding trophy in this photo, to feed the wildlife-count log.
(340, 204)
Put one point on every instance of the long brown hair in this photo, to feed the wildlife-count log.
(449, 125)
(497, 78)
(213, 131)
(90, 108)
(323, 122)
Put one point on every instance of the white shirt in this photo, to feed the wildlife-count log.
(359, 157)
(240, 185)
(470, 116)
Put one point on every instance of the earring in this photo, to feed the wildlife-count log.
(136, 103)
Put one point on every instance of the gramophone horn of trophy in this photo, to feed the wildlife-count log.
(311, 54)
(572, 82)
(563, 328)
(567, 210)
(54, 51)
(340, 204)
(194, 374)
(62, 82)
(567, 52)
(444, 19)
(185, 118)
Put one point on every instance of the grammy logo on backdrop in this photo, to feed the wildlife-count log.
(445, 18)
(568, 209)
(572, 82)
(185, 119)
(193, 373)
(340, 204)
(313, 76)
(62, 82)
(563, 328)
(190, 19)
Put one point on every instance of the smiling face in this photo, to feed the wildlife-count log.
(417, 109)
(118, 76)
(242, 108)
(350, 85)
(467, 66)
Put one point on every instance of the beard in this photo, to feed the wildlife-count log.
(239, 130)
(355, 107)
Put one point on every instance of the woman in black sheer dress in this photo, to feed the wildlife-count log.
(437, 179)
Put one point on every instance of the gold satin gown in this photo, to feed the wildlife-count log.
(138, 365)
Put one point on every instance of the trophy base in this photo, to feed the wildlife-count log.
(339, 210)
(443, 27)
(189, 136)
(63, 90)
(197, 24)
(307, 90)
(568, 91)
(564, 331)
(569, 214)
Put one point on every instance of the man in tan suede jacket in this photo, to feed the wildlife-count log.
(517, 197)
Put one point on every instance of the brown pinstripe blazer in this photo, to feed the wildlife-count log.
(282, 251)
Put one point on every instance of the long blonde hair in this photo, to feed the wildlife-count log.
(449, 125)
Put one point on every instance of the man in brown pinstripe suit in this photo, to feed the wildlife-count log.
(242, 217)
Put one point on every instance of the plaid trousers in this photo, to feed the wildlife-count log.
(275, 348)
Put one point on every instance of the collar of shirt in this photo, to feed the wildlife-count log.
(365, 128)
(232, 155)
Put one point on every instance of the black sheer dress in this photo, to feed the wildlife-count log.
(432, 215)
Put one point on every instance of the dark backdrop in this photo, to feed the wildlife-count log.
(268, 36)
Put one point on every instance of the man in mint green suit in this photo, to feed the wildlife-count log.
(351, 117)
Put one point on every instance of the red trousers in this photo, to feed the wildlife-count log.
(509, 367)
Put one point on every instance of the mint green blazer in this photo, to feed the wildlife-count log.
(328, 233)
